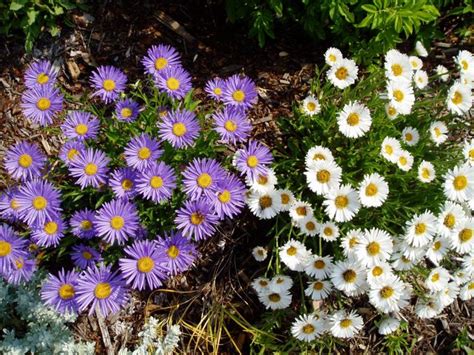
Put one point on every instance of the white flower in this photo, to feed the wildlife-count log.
(421, 79)
(447, 295)
(261, 285)
(281, 283)
(319, 267)
(323, 176)
(259, 253)
(354, 120)
(264, 205)
(318, 289)
(263, 183)
(275, 300)
(345, 325)
(391, 111)
(311, 106)
(286, 199)
(428, 308)
(400, 262)
(332, 56)
(401, 96)
(421, 229)
(465, 60)
(410, 136)
(462, 239)
(415, 62)
(294, 255)
(437, 279)
(300, 210)
(350, 241)
(442, 72)
(343, 73)
(307, 327)
(468, 264)
(348, 276)
(378, 271)
(426, 172)
(459, 99)
(388, 325)
(373, 190)
(461, 277)
(397, 66)
(467, 291)
(450, 218)
(309, 226)
(374, 247)
(316, 154)
(459, 183)
(342, 203)
(420, 49)
(390, 149)
(389, 294)
(404, 160)
(468, 151)
(329, 231)
(414, 254)
(437, 250)
(438, 131)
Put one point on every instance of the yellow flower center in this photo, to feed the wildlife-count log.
(51, 227)
(457, 98)
(435, 277)
(328, 231)
(291, 251)
(449, 220)
(437, 245)
(5, 248)
(318, 286)
(179, 129)
(126, 112)
(14, 205)
(464, 64)
(238, 95)
(274, 297)
(319, 156)
(345, 323)
(265, 202)
(285, 199)
(25, 160)
(398, 95)
(197, 218)
(160, 63)
(308, 329)
(204, 180)
(397, 69)
(72, 153)
(349, 276)
(391, 111)
(460, 182)
(231, 126)
(420, 228)
(341, 73)
(471, 286)
(371, 189)
(319, 264)
(341, 202)
(145, 264)
(172, 84)
(224, 196)
(43, 104)
(353, 242)
(471, 153)
(425, 173)
(156, 182)
(408, 137)
(102, 290)
(377, 271)
(373, 248)
(252, 161)
(86, 225)
(42, 78)
(389, 149)
(353, 119)
(81, 129)
(66, 292)
(263, 283)
(310, 226)
(386, 292)
(86, 255)
(465, 235)
(218, 91)
(437, 131)
(127, 184)
(39, 203)
(301, 211)
(144, 153)
(108, 85)
(91, 169)
(332, 58)
(117, 222)
(323, 176)
(311, 106)
(403, 160)
(262, 179)
(173, 252)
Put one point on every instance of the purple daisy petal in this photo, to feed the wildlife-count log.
(84, 256)
(90, 168)
(123, 183)
(40, 73)
(24, 161)
(12, 248)
(22, 270)
(70, 150)
(253, 160)
(177, 253)
(49, 233)
(239, 91)
(201, 177)
(41, 104)
(159, 58)
(157, 182)
(102, 290)
(9, 204)
(179, 128)
(116, 221)
(214, 88)
(196, 219)
(232, 125)
(59, 292)
(109, 82)
(80, 125)
(175, 81)
(229, 197)
(83, 224)
(142, 152)
(127, 110)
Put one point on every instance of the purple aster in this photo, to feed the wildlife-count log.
(70, 150)
(142, 152)
(116, 221)
(160, 57)
(101, 289)
(229, 197)
(143, 267)
(253, 160)
(38, 201)
(11, 248)
(127, 110)
(175, 81)
(109, 82)
(179, 128)
(177, 252)
(123, 183)
(157, 182)
(214, 88)
(197, 219)
(9, 204)
(41, 104)
(239, 91)
(24, 161)
(84, 256)
(90, 168)
(49, 233)
(83, 224)
(22, 270)
(40, 73)
(201, 177)
(80, 125)
(59, 291)
(232, 125)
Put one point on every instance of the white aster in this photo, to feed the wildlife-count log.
(342, 203)
(401, 96)
(373, 190)
(323, 176)
(420, 49)
(388, 325)
(300, 210)
(426, 172)
(343, 73)
(438, 132)
(318, 289)
(390, 149)
(264, 205)
(316, 154)
(459, 183)
(397, 66)
(345, 325)
(332, 56)
(329, 231)
(319, 267)
(459, 98)
(410, 136)
(311, 106)
(354, 120)
(404, 160)
(259, 253)
(374, 247)
(421, 229)
(294, 255)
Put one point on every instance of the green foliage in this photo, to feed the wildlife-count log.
(33, 17)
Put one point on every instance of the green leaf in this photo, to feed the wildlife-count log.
(369, 8)
(31, 14)
(16, 5)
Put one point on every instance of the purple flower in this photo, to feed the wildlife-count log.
(239, 91)
(101, 289)
(80, 125)
(179, 128)
(49, 233)
(22, 270)
(253, 160)
(38, 201)
(229, 197)
(196, 219)
(70, 150)
(214, 88)
(143, 268)
(59, 291)
(24, 161)
(9, 204)
(177, 252)
(83, 224)
(157, 182)
(41, 104)
(90, 168)
(109, 82)
(201, 177)
(40, 73)
(159, 58)
(232, 125)
(116, 221)
(11, 248)
(175, 81)
(123, 183)
(142, 152)
(84, 256)
(127, 110)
